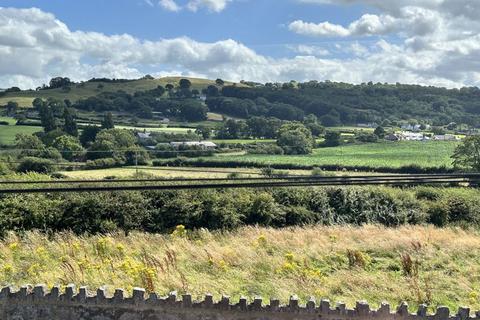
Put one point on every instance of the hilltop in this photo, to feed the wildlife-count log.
(92, 88)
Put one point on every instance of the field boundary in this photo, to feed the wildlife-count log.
(38, 304)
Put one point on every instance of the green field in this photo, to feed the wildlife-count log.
(375, 155)
(157, 129)
(243, 141)
(8, 133)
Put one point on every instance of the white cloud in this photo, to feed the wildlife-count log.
(212, 5)
(193, 5)
(169, 5)
(44, 47)
(309, 50)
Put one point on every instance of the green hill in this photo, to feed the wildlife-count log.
(92, 88)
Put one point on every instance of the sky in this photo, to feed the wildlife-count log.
(427, 42)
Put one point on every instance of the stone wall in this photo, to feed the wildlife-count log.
(37, 304)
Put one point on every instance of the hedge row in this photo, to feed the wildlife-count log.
(207, 163)
(160, 211)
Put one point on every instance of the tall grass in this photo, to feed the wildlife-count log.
(413, 264)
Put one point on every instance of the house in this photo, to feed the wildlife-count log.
(414, 136)
(393, 137)
(411, 127)
(445, 137)
(144, 135)
(367, 125)
(201, 144)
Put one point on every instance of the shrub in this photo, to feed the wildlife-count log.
(438, 214)
(4, 123)
(33, 164)
(101, 163)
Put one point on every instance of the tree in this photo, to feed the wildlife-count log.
(204, 131)
(88, 135)
(379, 132)
(212, 91)
(295, 138)
(69, 147)
(12, 108)
(467, 154)
(47, 118)
(185, 84)
(232, 129)
(220, 82)
(107, 122)
(192, 110)
(112, 143)
(332, 139)
(30, 145)
(60, 82)
(70, 126)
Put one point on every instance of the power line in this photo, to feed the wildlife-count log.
(278, 178)
(342, 181)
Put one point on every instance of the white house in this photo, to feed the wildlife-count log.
(202, 144)
(446, 137)
(144, 135)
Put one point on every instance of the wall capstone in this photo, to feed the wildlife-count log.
(36, 303)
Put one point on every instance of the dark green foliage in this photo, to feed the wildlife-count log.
(295, 138)
(107, 122)
(33, 164)
(70, 123)
(161, 211)
(379, 132)
(88, 135)
(332, 139)
(342, 103)
(467, 154)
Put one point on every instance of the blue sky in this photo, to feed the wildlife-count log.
(412, 41)
(259, 24)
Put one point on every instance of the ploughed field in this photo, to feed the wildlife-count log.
(419, 264)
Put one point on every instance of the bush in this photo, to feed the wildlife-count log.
(102, 163)
(264, 148)
(438, 214)
(33, 164)
(4, 123)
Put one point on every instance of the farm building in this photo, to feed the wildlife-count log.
(201, 144)
(446, 137)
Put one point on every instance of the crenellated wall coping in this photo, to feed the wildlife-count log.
(39, 295)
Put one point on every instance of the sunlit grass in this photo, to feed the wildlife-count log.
(255, 261)
(374, 155)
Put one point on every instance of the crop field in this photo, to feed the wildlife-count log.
(413, 264)
(164, 172)
(8, 133)
(375, 155)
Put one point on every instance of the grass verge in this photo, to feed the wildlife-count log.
(413, 264)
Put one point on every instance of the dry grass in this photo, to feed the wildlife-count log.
(314, 261)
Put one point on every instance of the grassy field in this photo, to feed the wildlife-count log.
(164, 172)
(412, 264)
(8, 133)
(243, 141)
(375, 155)
(88, 89)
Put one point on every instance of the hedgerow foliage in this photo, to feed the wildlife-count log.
(160, 211)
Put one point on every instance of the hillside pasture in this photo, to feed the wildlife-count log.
(88, 89)
(8, 133)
